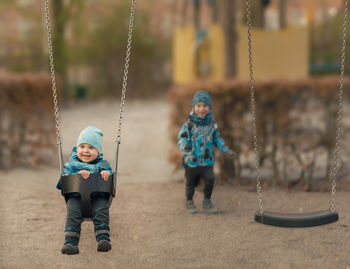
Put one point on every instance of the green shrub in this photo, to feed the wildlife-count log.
(27, 125)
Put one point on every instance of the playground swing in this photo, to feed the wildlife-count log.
(297, 219)
(95, 183)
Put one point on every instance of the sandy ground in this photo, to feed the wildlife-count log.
(150, 228)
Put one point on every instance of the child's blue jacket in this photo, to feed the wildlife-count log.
(197, 141)
(74, 165)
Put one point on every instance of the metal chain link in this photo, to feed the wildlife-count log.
(340, 108)
(52, 69)
(126, 71)
(252, 107)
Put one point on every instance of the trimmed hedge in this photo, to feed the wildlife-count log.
(27, 126)
(296, 123)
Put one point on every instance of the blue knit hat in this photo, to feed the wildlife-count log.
(91, 135)
(201, 96)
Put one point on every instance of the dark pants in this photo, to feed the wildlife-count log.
(100, 216)
(193, 176)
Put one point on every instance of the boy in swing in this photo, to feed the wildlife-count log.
(196, 139)
(86, 159)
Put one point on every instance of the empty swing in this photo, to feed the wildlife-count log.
(296, 219)
(94, 183)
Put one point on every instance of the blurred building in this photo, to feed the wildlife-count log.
(278, 51)
(301, 13)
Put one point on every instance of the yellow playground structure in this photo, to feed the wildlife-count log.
(276, 54)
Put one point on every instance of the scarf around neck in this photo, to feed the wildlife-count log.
(201, 121)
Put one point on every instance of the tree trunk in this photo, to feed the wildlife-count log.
(282, 13)
(256, 13)
(215, 11)
(229, 18)
(184, 9)
(197, 8)
(58, 37)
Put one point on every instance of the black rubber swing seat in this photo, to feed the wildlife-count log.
(296, 219)
(85, 187)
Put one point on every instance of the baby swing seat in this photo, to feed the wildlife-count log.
(85, 187)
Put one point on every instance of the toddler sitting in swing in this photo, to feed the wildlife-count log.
(86, 159)
(195, 140)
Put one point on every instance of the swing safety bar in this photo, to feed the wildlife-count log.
(85, 187)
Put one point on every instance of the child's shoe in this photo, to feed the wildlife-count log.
(191, 207)
(70, 246)
(104, 246)
(104, 243)
(209, 207)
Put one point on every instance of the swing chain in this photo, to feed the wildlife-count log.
(339, 116)
(126, 71)
(52, 69)
(252, 107)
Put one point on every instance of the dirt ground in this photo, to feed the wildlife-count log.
(150, 227)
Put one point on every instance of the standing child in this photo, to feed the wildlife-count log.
(196, 139)
(86, 159)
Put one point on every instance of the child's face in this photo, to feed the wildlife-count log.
(201, 109)
(87, 153)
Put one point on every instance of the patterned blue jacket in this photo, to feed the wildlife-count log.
(74, 165)
(196, 141)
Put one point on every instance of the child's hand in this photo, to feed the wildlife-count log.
(188, 158)
(105, 175)
(231, 153)
(84, 173)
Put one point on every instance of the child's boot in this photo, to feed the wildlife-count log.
(191, 207)
(104, 242)
(70, 246)
(209, 207)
